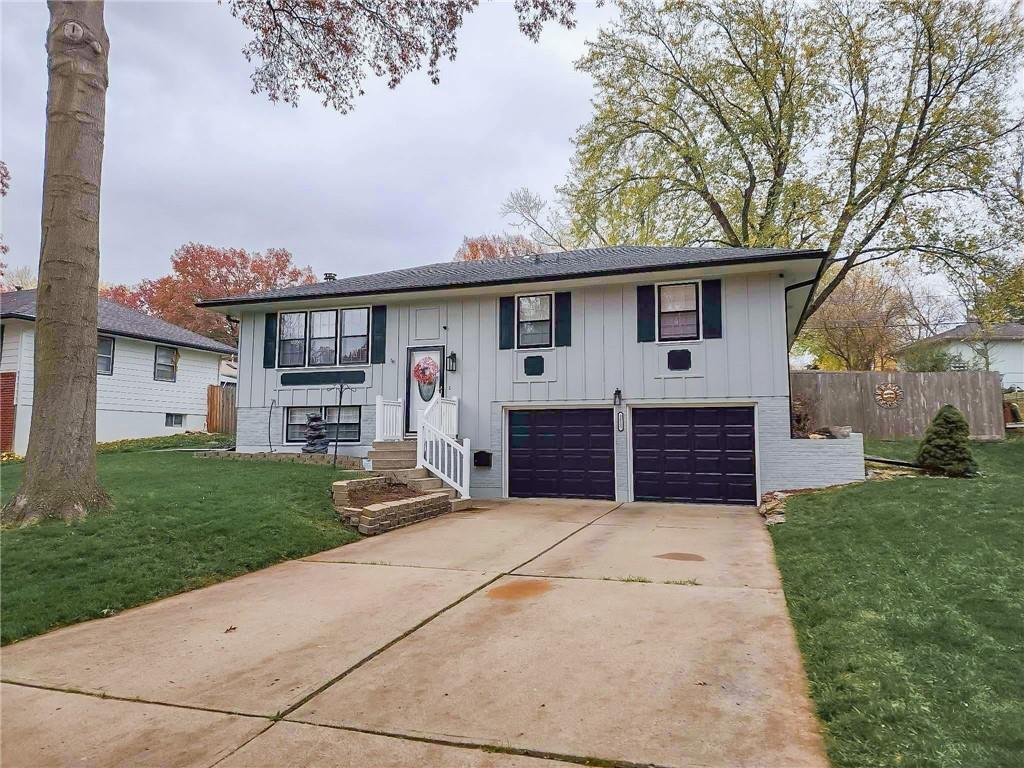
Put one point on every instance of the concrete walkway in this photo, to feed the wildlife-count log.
(523, 635)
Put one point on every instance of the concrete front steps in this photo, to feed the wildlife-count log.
(398, 454)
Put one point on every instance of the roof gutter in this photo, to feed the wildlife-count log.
(784, 256)
(804, 314)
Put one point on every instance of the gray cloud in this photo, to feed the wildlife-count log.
(192, 155)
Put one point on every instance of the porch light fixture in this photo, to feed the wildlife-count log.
(450, 362)
(617, 398)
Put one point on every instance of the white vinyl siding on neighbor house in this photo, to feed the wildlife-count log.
(130, 402)
(1005, 357)
(749, 366)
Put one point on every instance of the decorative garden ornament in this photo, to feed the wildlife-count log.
(888, 395)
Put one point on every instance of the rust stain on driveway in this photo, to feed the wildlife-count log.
(520, 589)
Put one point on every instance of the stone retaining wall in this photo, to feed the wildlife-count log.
(388, 515)
(345, 462)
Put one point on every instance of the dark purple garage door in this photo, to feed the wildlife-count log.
(694, 454)
(561, 453)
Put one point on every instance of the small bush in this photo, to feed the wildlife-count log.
(945, 449)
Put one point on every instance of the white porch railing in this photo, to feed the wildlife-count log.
(437, 449)
(390, 417)
(447, 419)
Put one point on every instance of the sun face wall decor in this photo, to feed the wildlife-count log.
(888, 395)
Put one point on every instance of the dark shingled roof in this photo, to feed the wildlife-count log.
(592, 262)
(118, 320)
(973, 331)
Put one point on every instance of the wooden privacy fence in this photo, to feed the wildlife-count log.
(220, 409)
(893, 404)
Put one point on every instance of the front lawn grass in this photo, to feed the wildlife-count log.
(178, 522)
(908, 600)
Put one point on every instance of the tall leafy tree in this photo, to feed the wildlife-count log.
(327, 47)
(201, 272)
(873, 129)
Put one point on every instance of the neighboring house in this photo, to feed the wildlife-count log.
(151, 376)
(621, 372)
(997, 347)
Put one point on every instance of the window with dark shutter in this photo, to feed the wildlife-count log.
(678, 313)
(533, 321)
(291, 348)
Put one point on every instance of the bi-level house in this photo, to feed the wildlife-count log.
(627, 373)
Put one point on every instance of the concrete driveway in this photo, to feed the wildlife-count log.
(525, 634)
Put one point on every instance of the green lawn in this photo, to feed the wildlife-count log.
(178, 522)
(908, 599)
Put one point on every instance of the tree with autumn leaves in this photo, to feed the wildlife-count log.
(487, 247)
(200, 272)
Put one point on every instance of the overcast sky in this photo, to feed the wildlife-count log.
(192, 155)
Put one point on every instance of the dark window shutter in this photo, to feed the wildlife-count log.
(270, 341)
(645, 313)
(379, 333)
(711, 308)
(563, 319)
(506, 322)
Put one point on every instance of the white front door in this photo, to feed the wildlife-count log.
(425, 380)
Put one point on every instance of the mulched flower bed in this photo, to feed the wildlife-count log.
(392, 492)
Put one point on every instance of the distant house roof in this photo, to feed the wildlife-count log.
(118, 320)
(566, 265)
(973, 331)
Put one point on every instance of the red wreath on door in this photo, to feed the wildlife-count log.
(425, 371)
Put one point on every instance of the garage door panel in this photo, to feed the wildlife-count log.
(562, 452)
(703, 455)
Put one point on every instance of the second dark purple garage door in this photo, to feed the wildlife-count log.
(702, 455)
(563, 453)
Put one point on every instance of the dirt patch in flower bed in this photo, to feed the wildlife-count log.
(364, 497)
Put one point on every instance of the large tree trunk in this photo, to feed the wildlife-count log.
(60, 472)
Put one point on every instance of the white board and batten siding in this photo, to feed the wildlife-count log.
(129, 403)
(748, 366)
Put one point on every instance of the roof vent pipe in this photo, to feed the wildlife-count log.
(330, 277)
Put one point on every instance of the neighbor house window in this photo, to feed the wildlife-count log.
(533, 321)
(105, 355)
(174, 419)
(342, 423)
(355, 335)
(678, 314)
(323, 337)
(165, 364)
(291, 351)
